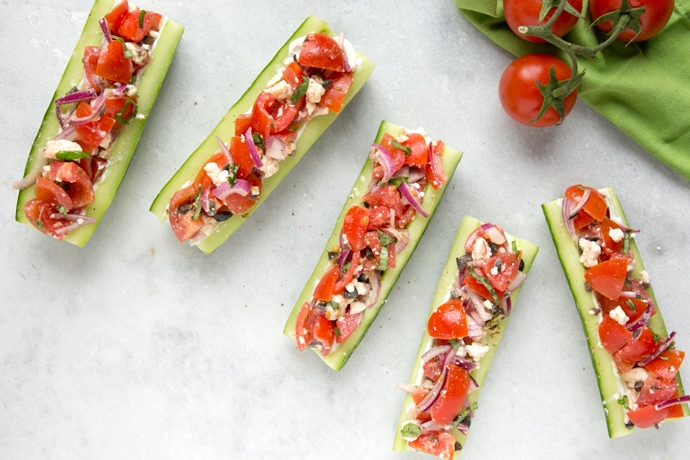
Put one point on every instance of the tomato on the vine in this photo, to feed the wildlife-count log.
(654, 18)
(526, 13)
(519, 90)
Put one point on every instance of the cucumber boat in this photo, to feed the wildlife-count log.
(386, 214)
(633, 355)
(476, 293)
(95, 119)
(263, 135)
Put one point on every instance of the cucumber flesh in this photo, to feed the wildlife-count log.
(604, 367)
(446, 282)
(432, 197)
(127, 139)
(225, 130)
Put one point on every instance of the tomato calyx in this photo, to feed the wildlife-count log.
(555, 92)
(625, 17)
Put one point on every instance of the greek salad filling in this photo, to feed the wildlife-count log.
(372, 235)
(488, 272)
(90, 116)
(646, 363)
(313, 81)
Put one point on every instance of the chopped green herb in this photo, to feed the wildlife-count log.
(383, 259)
(337, 332)
(624, 402)
(663, 358)
(334, 305)
(128, 53)
(486, 284)
(411, 430)
(232, 174)
(71, 155)
(465, 412)
(626, 242)
(385, 238)
(301, 90)
(258, 140)
(119, 116)
(345, 267)
(455, 343)
(142, 15)
(657, 337)
(631, 304)
(62, 210)
(399, 146)
(514, 245)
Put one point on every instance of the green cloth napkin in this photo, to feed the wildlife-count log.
(643, 88)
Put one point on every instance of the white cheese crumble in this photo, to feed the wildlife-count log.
(616, 234)
(618, 315)
(644, 277)
(215, 173)
(62, 145)
(590, 252)
(480, 249)
(477, 350)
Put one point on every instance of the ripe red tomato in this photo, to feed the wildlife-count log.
(520, 95)
(448, 321)
(608, 277)
(612, 335)
(501, 270)
(50, 192)
(655, 17)
(438, 443)
(346, 324)
(40, 213)
(355, 227)
(526, 13)
(644, 345)
(666, 365)
(648, 416)
(595, 206)
(334, 97)
(79, 186)
(183, 224)
(324, 290)
(322, 51)
(450, 402)
(112, 63)
(656, 390)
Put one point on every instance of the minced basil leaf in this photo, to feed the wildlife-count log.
(486, 284)
(399, 146)
(411, 430)
(383, 259)
(258, 140)
(465, 412)
(71, 155)
(514, 246)
(455, 343)
(337, 332)
(142, 15)
(119, 116)
(624, 402)
(232, 174)
(626, 242)
(385, 238)
(128, 54)
(631, 304)
(334, 305)
(62, 210)
(301, 90)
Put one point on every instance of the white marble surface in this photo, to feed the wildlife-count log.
(139, 347)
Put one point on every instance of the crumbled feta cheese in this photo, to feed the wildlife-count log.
(215, 173)
(480, 249)
(357, 307)
(62, 145)
(477, 350)
(618, 315)
(644, 277)
(281, 90)
(314, 91)
(269, 166)
(590, 252)
(139, 53)
(616, 234)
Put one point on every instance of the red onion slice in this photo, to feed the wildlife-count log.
(432, 427)
(60, 118)
(566, 207)
(435, 351)
(105, 29)
(517, 282)
(205, 199)
(98, 105)
(462, 428)
(495, 234)
(224, 149)
(465, 364)
(69, 134)
(253, 151)
(407, 194)
(377, 152)
(374, 291)
(29, 180)
(77, 96)
(580, 204)
(449, 358)
(641, 322)
(672, 402)
(275, 148)
(407, 388)
(241, 187)
(435, 392)
(79, 221)
(436, 166)
(660, 349)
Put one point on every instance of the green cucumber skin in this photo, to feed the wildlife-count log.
(569, 255)
(445, 285)
(225, 130)
(339, 357)
(126, 142)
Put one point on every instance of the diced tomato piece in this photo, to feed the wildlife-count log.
(385, 195)
(39, 213)
(501, 269)
(79, 186)
(92, 133)
(632, 307)
(418, 396)
(349, 273)
(90, 61)
(610, 246)
(262, 121)
(355, 227)
(392, 256)
(282, 117)
(448, 321)
(241, 157)
(396, 154)
(51, 193)
(322, 51)
(324, 290)
(334, 97)
(183, 224)
(303, 335)
(433, 368)
(324, 333)
(438, 443)
(656, 390)
(379, 217)
(644, 345)
(648, 416)
(666, 365)
(114, 18)
(595, 207)
(242, 123)
(202, 179)
(239, 204)
(112, 63)
(676, 411)
(612, 335)
(373, 242)
(129, 27)
(293, 74)
(419, 155)
(481, 232)
(121, 108)
(477, 286)
(435, 173)
(608, 277)
(451, 399)
(346, 325)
